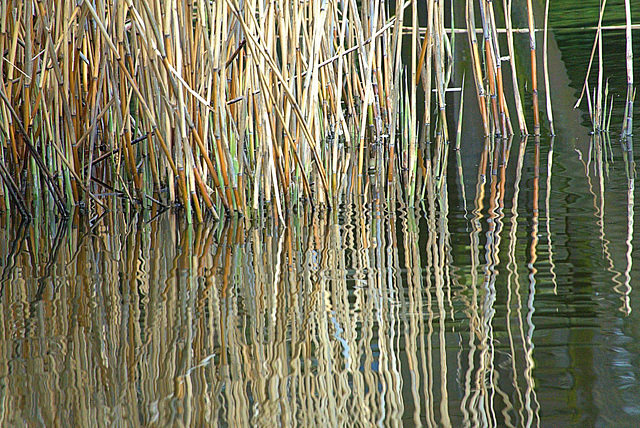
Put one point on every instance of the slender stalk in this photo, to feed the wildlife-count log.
(512, 61)
(627, 126)
(477, 69)
(545, 60)
(534, 69)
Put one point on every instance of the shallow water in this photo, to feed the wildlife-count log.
(464, 312)
(511, 302)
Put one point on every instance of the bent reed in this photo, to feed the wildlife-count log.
(229, 107)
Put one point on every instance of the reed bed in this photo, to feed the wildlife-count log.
(229, 107)
(217, 107)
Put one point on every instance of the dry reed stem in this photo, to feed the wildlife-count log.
(585, 86)
(627, 126)
(476, 67)
(512, 61)
(546, 68)
(241, 103)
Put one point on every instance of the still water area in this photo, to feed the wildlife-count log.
(508, 299)
(484, 309)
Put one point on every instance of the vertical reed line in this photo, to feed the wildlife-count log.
(522, 123)
(534, 68)
(585, 86)
(545, 59)
(627, 125)
(411, 142)
(600, 99)
(396, 89)
(477, 68)
(490, 64)
(504, 122)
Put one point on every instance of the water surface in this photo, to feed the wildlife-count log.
(514, 305)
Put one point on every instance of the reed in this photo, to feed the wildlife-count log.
(597, 100)
(627, 126)
(545, 63)
(237, 108)
(534, 68)
(241, 104)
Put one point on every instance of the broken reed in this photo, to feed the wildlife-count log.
(230, 106)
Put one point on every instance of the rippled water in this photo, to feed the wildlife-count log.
(515, 305)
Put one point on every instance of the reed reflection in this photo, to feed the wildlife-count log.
(371, 313)
(329, 320)
(630, 169)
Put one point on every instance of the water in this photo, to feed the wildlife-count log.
(511, 302)
(493, 316)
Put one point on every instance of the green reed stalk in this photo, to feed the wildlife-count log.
(627, 126)
(534, 68)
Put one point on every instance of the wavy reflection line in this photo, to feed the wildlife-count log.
(413, 330)
(513, 280)
(474, 385)
(497, 213)
(531, 404)
(631, 175)
(600, 142)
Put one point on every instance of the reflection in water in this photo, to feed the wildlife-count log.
(630, 170)
(516, 314)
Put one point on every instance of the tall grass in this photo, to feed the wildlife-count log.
(627, 126)
(233, 103)
(229, 107)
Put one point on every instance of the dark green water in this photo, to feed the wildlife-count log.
(511, 302)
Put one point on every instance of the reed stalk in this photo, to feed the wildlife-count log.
(593, 113)
(522, 123)
(534, 68)
(476, 66)
(627, 125)
(240, 105)
(600, 103)
(545, 59)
